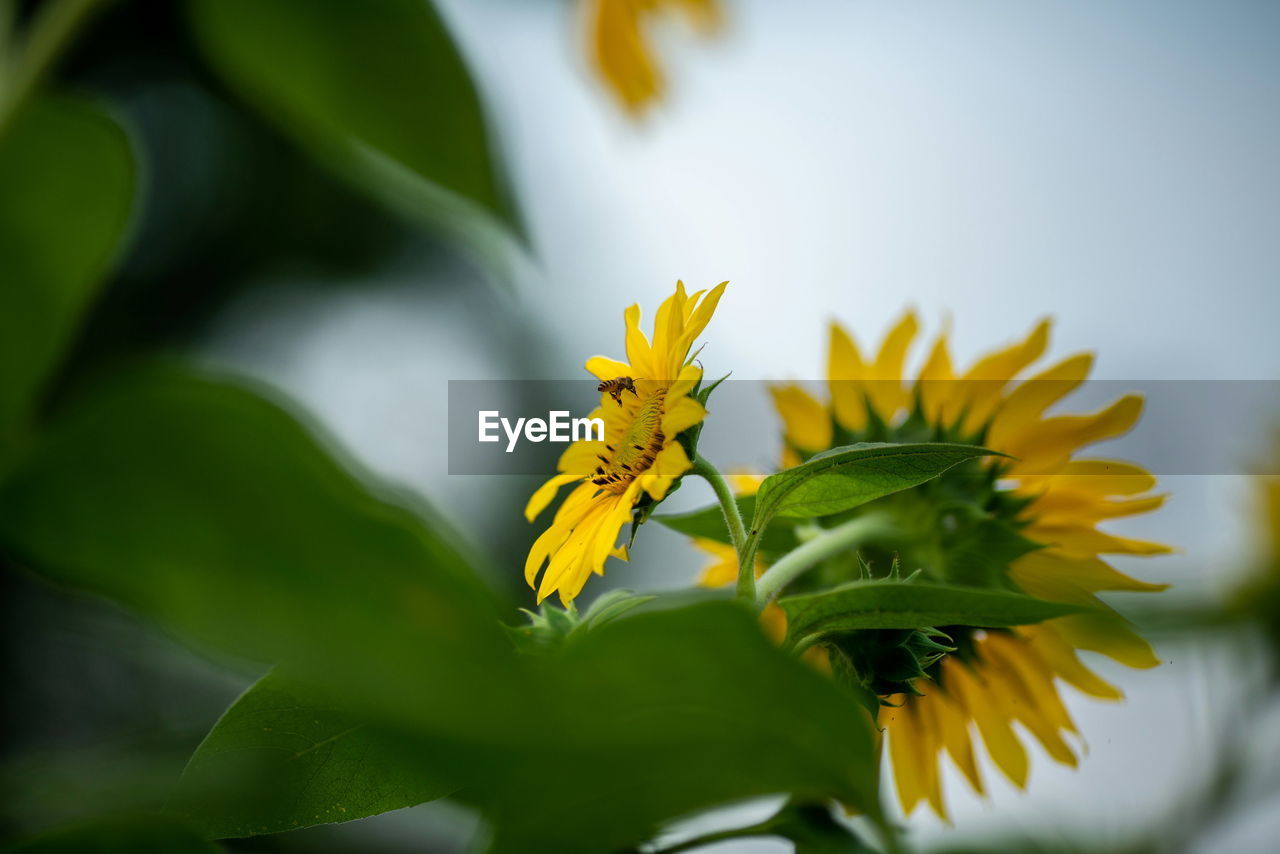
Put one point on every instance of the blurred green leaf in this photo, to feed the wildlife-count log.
(212, 511)
(378, 92)
(288, 755)
(844, 478)
(668, 712)
(910, 605)
(814, 831)
(142, 834)
(67, 176)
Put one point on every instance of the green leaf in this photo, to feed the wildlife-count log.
(914, 605)
(140, 834)
(707, 522)
(668, 712)
(213, 512)
(376, 91)
(287, 755)
(67, 176)
(844, 478)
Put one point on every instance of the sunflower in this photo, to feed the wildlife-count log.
(620, 50)
(640, 456)
(1027, 523)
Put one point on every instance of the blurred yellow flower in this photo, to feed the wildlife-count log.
(639, 457)
(620, 49)
(997, 677)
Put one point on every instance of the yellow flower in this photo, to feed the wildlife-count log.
(620, 50)
(640, 456)
(1047, 496)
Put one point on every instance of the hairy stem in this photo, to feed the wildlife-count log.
(732, 519)
(834, 541)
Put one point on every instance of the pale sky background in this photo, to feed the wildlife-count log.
(1112, 164)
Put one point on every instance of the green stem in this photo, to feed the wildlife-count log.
(798, 561)
(46, 39)
(728, 503)
(747, 566)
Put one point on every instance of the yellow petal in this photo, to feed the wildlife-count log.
(953, 722)
(900, 728)
(608, 369)
(745, 483)
(548, 542)
(1094, 477)
(1050, 574)
(545, 493)
(1004, 365)
(669, 321)
(1005, 749)
(1046, 448)
(699, 319)
(723, 568)
(930, 735)
(1085, 541)
(845, 373)
(937, 385)
(887, 372)
(805, 421)
(984, 383)
(704, 14)
(1019, 701)
(1066, 506)
(1059, 655)
(1109, 634)
(620, 54)
(1020, 412)
(682, 415)
(639, 353)
(686, 379)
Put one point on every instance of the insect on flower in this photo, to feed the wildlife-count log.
(616, 386)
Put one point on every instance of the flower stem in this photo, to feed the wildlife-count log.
(798, 561)
(732, 519)
(29, 60)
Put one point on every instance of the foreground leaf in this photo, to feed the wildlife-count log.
(844, 478)
(669, 712)
(213, 512)
(287, 755)
(67, 176)
(910, 605)
(375, 90)
(142, 834)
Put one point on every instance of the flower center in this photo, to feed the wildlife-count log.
(636, 450)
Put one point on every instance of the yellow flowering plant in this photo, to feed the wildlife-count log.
(956, 604)
(620, 48)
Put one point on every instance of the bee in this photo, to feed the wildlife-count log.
(617, 386)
